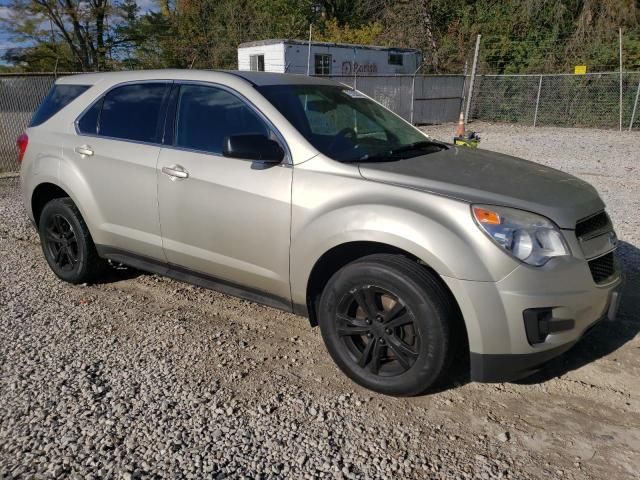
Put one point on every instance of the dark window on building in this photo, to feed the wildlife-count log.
(58, 97)
(256, 63)
(323, 64)
(132, 112)
(89, 122)
(206, 116)
(395, 58)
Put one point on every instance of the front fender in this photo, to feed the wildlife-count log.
(450, 244)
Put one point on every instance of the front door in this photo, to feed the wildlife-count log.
(223, 217)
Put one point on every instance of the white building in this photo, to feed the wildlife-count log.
(290, 56)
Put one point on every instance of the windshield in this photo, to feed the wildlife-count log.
(346, 125)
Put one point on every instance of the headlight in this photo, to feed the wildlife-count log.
(530, 238)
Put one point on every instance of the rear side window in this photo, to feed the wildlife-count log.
(58, 97)
(130, 112)
(207, 115)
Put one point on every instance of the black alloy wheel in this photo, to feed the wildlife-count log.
(67, 244)
(61, 243)
(378, 330)
(387, 323)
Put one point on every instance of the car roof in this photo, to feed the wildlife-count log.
(269, 78)
(255, 78)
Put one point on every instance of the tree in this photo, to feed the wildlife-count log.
(365, 34)
(80, 26)
(518, 36)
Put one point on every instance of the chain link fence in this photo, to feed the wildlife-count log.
(394, 92)
(421, 99)
(590, 100)
(20, 95)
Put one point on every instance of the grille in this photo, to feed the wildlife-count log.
(602, 267)
(597, 223)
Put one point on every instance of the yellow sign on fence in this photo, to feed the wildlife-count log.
(580, 70)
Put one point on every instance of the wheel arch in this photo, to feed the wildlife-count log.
(340, 255)
(43, 194)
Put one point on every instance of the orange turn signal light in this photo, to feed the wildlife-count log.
(486, 216)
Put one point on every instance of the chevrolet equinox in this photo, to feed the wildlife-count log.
(306, 195)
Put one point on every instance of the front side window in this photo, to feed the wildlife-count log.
(323, 64)
(132, 112)
(58, 97)
(206, 116)
(256, 63)
(346, 125)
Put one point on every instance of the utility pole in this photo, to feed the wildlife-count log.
(473, 78)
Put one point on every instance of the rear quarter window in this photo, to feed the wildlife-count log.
(88, 124)
(58, 97)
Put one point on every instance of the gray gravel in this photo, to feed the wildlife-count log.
(141, 376)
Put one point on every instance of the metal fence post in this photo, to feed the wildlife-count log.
(413, 98)
(413, 92)
(309, 51)
(535, 115)
(635, 105)
(463, 93)
(473, 78)
(620, 35)
(355, 71)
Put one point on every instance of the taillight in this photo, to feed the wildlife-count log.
(22, 142)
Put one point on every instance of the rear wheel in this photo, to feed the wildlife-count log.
(386, 323)
(67, 244)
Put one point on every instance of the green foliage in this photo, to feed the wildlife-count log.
(367, 34)
(519, 36)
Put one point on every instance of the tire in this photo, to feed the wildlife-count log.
(67, 244)
(387, 324)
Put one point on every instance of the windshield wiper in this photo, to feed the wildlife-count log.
(395, 152)
(415, 146)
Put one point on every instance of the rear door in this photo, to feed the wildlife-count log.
(116, 150)
(222, 217)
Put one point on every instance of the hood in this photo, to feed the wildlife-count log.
(481, 176)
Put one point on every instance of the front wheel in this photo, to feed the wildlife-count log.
(386, 322)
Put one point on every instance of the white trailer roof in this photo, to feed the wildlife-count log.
(275, 41)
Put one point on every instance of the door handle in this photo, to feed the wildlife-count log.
(84, 150)
(175, 172)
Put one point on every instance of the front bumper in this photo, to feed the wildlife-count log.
(506, 367)
(494, 315)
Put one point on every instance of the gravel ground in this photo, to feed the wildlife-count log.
(141, 376)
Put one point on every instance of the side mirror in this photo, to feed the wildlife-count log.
(253, 147)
